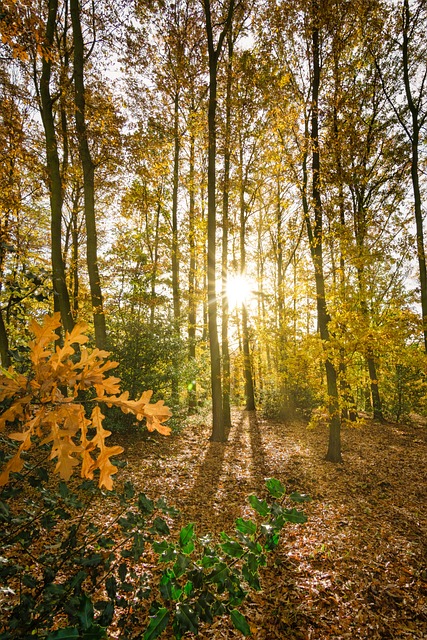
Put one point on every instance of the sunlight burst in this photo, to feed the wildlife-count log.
(239, 290)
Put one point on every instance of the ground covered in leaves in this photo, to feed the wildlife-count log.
(357, 569)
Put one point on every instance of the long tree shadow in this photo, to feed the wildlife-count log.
(259, 464)
(207, 497)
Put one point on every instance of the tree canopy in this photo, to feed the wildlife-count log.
(231, 195)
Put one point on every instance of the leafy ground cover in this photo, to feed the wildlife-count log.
(357, 569)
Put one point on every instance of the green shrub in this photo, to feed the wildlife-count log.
(68, 571)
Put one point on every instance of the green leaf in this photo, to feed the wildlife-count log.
(187, 618)
(123, 569)
(63, 634)
(157, 624)
(111, 586)
(167, 551)
(251, 577)
(204, 607)
(260, 506)
(220, 573)
(181, 564)
(4, 510)
(107, 614)
(169, 588)
(145, 505)
(63, 489)
(300, 497)
(75, 581)
(95, 632)
(138, 546)
(233, 549)
(239, 621)
(275, 487)
(186, 538)
(272, 542)
(160, 547)
(160, 526)
(29, 581)
(91, 561)
(292, 515)
(85, 612)
(246, 526)
(162, 505)
(209, 560)
(128, 490)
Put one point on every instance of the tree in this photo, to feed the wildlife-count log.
(214, 51)
(315, 234)
(408, 66)
(226, 370)
(46, 101)
(88, 178)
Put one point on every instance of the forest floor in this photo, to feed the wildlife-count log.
(357, 569)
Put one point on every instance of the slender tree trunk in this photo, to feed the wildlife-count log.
(204, 284)
(247, 364)
(316, 247)
(175, 250)
(218, 430)
(225, 224)
(75, 255)
(360, 234)
(60, 290)
(192, 306)
(4, 344)
(4, 237)
(415, 117)
(88, 179)
(376, 398)
(279, 260)
(348, 409)
(154, 255)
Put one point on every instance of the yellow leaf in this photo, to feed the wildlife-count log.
(15, 464)
(154, 425)
(24, 437)
(66, 461)
(106, 467)
(44, 335)
(16, 410)
(12, 383)
(77, 335)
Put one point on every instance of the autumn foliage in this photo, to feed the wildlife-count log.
(47, 404)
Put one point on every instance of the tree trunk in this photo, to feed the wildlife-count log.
(360, 234)
(225, 224)
(247, 364)
(155, 257)
(376, 398)
(60, 290)
(218, 430)
(75, 255)
(192, 307)
(415, 114)
(175, 252)
(88, 179)
(316, 247)
(4, 344)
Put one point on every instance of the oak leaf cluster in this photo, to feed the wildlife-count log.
(47, 404)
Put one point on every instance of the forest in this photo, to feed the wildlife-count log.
(212, 252)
